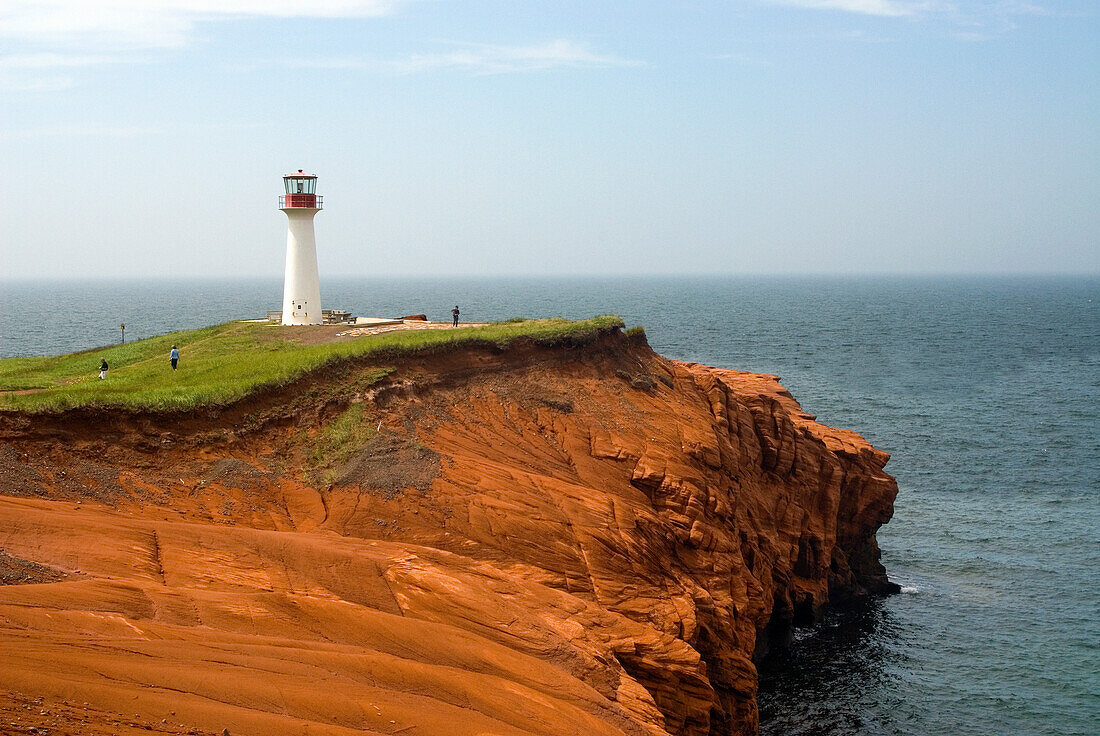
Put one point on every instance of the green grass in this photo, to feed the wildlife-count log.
(226, 362)
(339, 440)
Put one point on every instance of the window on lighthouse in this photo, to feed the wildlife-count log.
(301, 185)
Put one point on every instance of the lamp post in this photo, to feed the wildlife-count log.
(123, 328)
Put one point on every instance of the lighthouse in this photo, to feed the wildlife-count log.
(301, 284)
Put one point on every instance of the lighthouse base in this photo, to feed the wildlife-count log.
(328, 317)
(301, 287)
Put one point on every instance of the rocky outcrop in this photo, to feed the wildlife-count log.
(585, 539)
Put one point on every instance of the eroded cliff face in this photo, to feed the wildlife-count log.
(584, 539)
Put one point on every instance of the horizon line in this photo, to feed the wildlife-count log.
(578, 276)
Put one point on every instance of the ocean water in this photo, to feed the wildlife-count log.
(986, 392)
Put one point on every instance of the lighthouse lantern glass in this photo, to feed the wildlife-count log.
(300, 185)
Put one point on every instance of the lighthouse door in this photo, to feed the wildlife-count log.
(300, 309)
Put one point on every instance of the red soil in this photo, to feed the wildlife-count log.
(575, 540)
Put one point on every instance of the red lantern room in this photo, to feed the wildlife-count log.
(301, 192)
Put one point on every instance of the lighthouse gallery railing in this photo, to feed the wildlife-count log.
(308, 201)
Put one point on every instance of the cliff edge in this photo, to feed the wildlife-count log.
(583, 538)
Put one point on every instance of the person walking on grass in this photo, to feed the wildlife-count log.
(174, 356)
(454, 315)
(103, 369)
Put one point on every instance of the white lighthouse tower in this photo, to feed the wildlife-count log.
(301, 285)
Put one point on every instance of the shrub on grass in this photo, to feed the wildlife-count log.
(338, 440)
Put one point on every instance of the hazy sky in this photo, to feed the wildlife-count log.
(148, 137)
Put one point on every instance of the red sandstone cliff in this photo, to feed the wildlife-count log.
(582, 539)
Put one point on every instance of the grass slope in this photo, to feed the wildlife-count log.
(226, 362)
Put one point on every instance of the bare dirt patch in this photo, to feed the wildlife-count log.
(17, 571)
(233, 473)
(21, 713)
(305, 334)
(90, 481)
(404, 326)
(17, 478)
(390, 464)
(324, 334)
(77, 479)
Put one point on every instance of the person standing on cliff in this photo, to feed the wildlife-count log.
(174, 356)
(454, 315)
(103, 368)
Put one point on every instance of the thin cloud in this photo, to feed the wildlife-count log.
(51, 35)
(24, 83)
(996, 19)
(1021, 7)
(971, 22)
(747, 59)
(475, 59)
(77, 131)
(48, 71)
(94, 130)
(122, 24)
(492, 59)
(886, 8)
(50, 60)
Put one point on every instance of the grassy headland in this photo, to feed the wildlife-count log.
(226, 362)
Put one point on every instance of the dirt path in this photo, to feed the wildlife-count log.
(405, 325)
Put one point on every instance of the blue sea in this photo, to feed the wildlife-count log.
(986, 391)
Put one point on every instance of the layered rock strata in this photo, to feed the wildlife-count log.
(572, 539)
